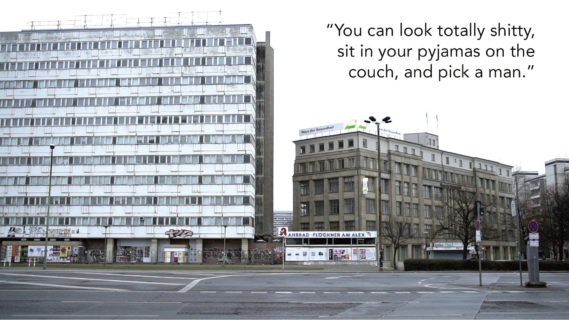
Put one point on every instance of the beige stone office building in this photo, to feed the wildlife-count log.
(332, 167)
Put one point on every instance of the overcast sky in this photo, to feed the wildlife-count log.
(520, 122)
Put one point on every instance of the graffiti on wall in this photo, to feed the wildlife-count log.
(39, 232)
(179, 233)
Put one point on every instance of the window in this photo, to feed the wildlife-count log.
(319, 226)
(334, 206)
(352, 162)
(340, 144)
(331, 145)
(414, 190)
(348, 206)
(340, 163)
(302, 149)
(304, 209)
(398, 208)
(370, 206)
(397, 167)
(427, 192)
(350, 225)
(318, 186)
(333, 185)
(334, 226)
(370, 184)
(348, 184)
(350, 143)
(385, 207)
(427, 211)
(370, 225)
(407, 209)
(304, 188)
(405, 168)
(305, 226)
(406, 188)
(415, 210)
(331, 165)
(364, 143)
(398, 187)
(312, 148)
(413, 171)
(433, 157)
(318, 208)
(447, 160)
(321, 147)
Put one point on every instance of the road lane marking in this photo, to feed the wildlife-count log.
(355, 292)
(192, 284)
(239, 292)
(90, 279)
(262, 292)
(62, 286)
(307, 292)
(283, 292)
(135, 275)
(379, 292)
(208, 291)
(330, 292)
(337, 277)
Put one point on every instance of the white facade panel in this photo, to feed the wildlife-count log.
(146, 114)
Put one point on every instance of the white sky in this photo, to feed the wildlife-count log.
(520, 122)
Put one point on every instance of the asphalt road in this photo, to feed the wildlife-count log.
(123, 294)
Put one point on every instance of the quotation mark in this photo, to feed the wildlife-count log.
(530, 67)
(329, 26)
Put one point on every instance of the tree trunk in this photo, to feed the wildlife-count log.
(395, 257)
(464, 251)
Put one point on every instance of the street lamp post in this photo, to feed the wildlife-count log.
(48, 205)
(379, 239)
(224, 237)
(105, 259)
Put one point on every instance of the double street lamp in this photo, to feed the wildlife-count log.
(379, 239)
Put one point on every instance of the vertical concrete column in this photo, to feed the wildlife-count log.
(109, 250)
(502, 256)
(410, 250)
(154, 250)
(199, 251)
(244, 251)
(491, 249)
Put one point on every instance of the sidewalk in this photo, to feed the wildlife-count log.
(214, 267)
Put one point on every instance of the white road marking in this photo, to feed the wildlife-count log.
(192, 284)
(402, 292)
(355, 292)
(262, 292)
(338, 277)
(208, 291)
(90, 279)
(234, 292)
(283, 292)
(121, 302)
(330, 292)
(307, 292)
(134, 275)
(63, 286)
(379, 292)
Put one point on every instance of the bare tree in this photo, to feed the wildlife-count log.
(399, 233)
(554, 219)
(460, 218)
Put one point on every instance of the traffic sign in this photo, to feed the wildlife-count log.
(533, 226)
(534, 236)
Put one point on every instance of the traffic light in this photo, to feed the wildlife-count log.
(479, 208)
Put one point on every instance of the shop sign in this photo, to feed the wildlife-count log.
(324, 234)
(179, 233)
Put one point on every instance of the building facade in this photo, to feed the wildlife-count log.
(335, 184)
(536, 196)
(281, 219)
(154, 131)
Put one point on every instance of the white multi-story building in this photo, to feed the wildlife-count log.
(154, 135)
